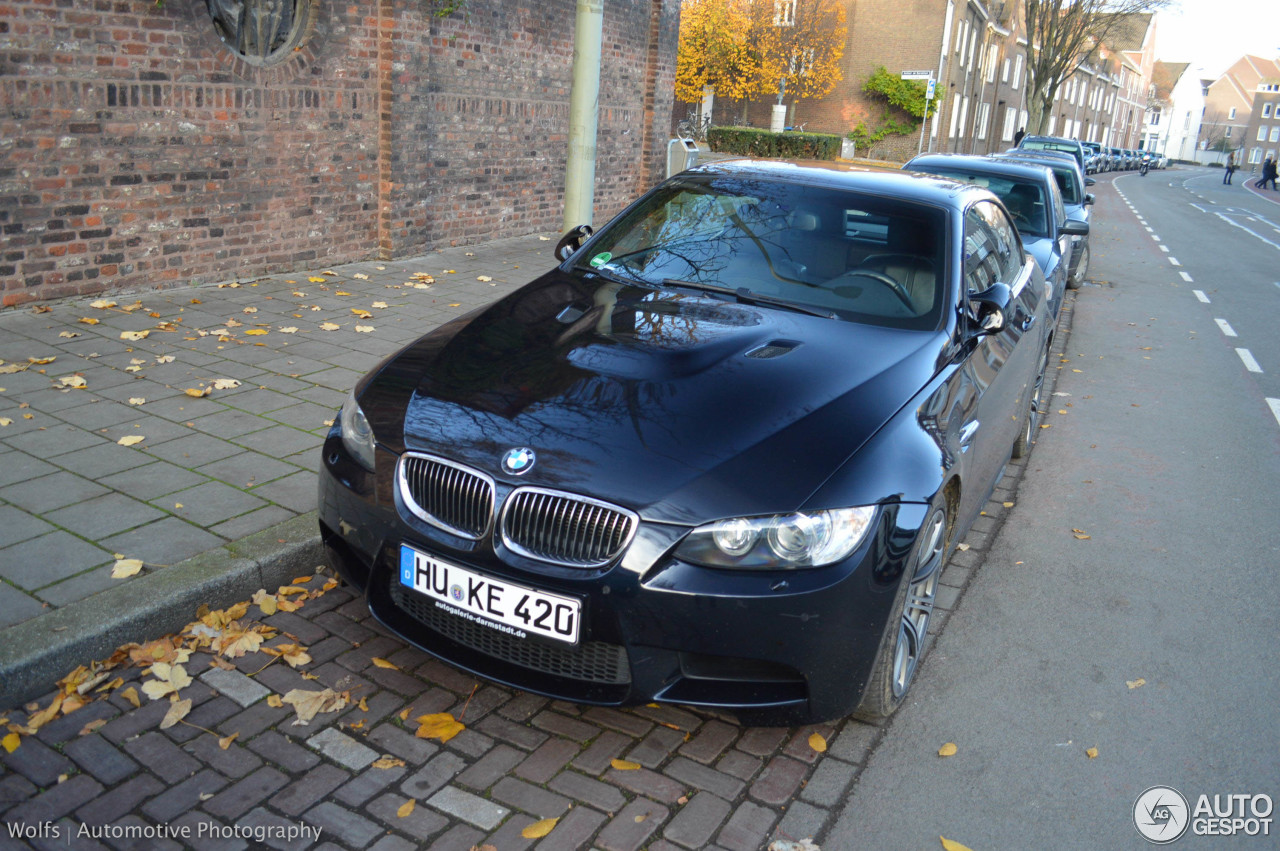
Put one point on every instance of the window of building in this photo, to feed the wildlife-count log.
(1275, 135)
(1004, 73)
(1255, 156)
(1262, 134)
(993, 57)
(1228, 134)
(1266, 110)
(1017, 70)
(984, 118)
(1232, 114)
(1010, 123)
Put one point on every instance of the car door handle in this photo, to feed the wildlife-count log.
(967, 431)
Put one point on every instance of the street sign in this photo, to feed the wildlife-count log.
(929, 90)
(916, 75)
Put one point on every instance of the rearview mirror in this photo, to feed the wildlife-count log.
(990, 308)
(1071, 227)
(1088, 199)
(572, 241)
(1089, 181)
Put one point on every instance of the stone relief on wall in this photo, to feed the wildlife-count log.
(255, 29)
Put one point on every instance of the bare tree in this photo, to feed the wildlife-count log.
(1060, 35)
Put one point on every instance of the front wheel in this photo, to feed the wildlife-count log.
(1082, 269)
(1035, 409)
(903, 644)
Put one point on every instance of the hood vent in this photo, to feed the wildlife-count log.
(772, 349)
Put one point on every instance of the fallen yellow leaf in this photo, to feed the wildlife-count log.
(137, 400)
(949, 749)
(952, 845)
(818, 743)
(134, 336)
(131, 440)
(386, 761)
(363, 314)
(329, 326)
(406, 808)
(225, 741)
(539, 829)
(126, 567)
(364, 329)
(256, 332)
(88, 321)
(1138, 683)
(1091, 752)
(198, 393)
(274, 701)
(42, 361)
(178, 710)
(440, 725)
(316, 280)
(226, 383)
(264, 601)
(131, 694)
(11, 742)
(383, 663)
(102, 304)
(624, 764)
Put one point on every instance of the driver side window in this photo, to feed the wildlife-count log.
(983, 265)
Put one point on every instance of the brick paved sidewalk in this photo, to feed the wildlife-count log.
(209, 470)
(237, 767)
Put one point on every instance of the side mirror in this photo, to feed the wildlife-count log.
(1072, 227)
(572, 241)
(1088, 199)
(1089, 181)
(990, 308)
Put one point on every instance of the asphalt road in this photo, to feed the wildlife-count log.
(1164, 451)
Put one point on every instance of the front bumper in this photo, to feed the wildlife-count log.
(779, 647)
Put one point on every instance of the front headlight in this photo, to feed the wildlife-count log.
(782, 541)
(357, 435)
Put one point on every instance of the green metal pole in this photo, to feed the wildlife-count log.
(584, 108)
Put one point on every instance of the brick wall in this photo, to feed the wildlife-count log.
(136, 150)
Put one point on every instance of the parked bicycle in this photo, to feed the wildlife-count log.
(693, 127)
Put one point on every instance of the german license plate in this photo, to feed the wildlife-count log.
(494, 603)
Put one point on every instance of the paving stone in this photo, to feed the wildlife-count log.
(596, 758)
(854, 742)
(100, 758)
(17, 606)
(670, 717)
(520, 708)
(296, 491)
(304, 792)
(531, 799)
(630, 829)
(263, 818)
(255, 521)
(234, 761)
(829, 782)
(241, 797)
(747, 828)
(166, 541)
(299, 627)
(799, 748)
(581, 788)
(801, 821)
(209, 834)
(254, 720)
(457, 838)
(353, 829)
(37, 762)
(642, 781)
(433, 776)
(50, 558)
(390, 842)
(55, 440)
(367, 784)
(210, 503)
(623, 722)
(491, 767)
(698, 820)
(547, 760)
(655, 748)
(161, 756)
(14, 791)
(17, 525)
(185, 796)
(574, 831)
(762, 741)
(738, 764)
(247, 470)
(86, 584)
(779, 781)
(235, 686)
(342, 749)
(452, 801)
(20, 467)
(153, 480)
(205, 716)
(421, 824)
(710, 741)
(401, 743)
(693, 773)
(61, 798)
(510, 836)
(277, 749)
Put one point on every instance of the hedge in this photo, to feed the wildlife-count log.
(753, 142)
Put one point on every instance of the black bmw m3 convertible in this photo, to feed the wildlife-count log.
(717, 457)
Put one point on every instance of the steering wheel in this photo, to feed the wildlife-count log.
(897, 288)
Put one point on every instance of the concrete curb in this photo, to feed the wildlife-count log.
(36, 653)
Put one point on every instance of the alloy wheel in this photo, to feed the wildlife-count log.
(918, 605)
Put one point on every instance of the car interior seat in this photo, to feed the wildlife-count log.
(912, 244)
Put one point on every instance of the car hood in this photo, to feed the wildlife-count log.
(679, 406)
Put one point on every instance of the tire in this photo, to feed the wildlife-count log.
(902, 646)
(1035, 407)
(1082, 269)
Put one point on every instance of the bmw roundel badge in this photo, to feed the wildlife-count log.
(518, 461)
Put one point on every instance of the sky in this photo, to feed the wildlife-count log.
(1213, 34)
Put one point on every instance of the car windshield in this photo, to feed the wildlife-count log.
(1024, 200)
(863, 258)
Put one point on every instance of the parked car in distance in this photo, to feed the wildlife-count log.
(1077, 201)
(718, 457)
(1029, 191)
(1055, 143)
(1094, 158)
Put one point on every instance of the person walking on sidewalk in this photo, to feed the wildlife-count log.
(1231, 167)
(1268, 175)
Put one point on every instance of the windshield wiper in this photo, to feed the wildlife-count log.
(746, 296)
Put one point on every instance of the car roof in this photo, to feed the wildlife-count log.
(1060, 139)
(1065, 156)
(984, 165)
(883, 182)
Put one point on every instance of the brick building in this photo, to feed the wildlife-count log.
(1229, 107)
(1262, 137)
(143, 146)
(978, 53)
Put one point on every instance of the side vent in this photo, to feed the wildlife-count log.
(772, 349)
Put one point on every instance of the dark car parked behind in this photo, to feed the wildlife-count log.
(717, 457)
(1074, 197)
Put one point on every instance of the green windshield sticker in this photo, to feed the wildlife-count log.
(601, 259)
